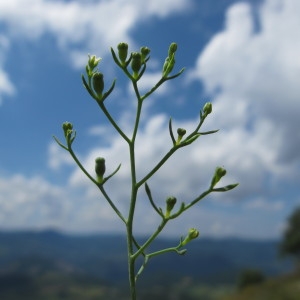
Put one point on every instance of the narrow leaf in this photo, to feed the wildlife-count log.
(148, 192)
(226, 188)
(171, 132)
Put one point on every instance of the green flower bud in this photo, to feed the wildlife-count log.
(172, 49)
(100, 168)
(136, 63)
(98, 84)
(207, 108)
(168, 65)
(67, 128)
(123, 52)
(145, 52)
(181, 132)
(192, 234)
(219, 173)
(170, 203)
(92, 63)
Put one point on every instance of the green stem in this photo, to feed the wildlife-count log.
(112, 121)
(158, 166)
(134, 190)
(151, 238)
(80, 165)
(101, 188)
(204, 194)
(95, 182)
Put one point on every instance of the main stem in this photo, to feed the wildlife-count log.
(134, 190)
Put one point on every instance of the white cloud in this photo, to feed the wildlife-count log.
(31, 203)
(78, 26)
(6, 86)
(254, 76)
(94, 24)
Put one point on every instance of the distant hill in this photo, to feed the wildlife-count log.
(103, 257)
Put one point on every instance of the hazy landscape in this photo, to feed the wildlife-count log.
(52, 265)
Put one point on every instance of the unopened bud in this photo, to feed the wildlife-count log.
(123, 52)
(93, 62)
(170, 203)
(181, 132)
(100, 168)
(136, 63)
(172, 49)
(219, 173)
(168, 65)
(67, 128)
(207, 108)
(192, 234)
(98, 84)
(145, 52)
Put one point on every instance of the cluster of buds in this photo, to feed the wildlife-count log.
(95, 82)
(136, 59)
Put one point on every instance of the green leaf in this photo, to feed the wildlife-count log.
(226, 188)
(171, 132)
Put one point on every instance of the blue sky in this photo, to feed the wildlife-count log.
(241, 55)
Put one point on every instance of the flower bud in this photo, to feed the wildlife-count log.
(145, 52)
(136, 63)
(168, 65)
(100, 168)
(123, 52)
(172, 49)
(192, 234)
(207, 108)
(219, 173)
(181, 132)
(170, 203)
(98, 84)
(67, 128)
(92, 64)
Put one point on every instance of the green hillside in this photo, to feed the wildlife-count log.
(280, 288)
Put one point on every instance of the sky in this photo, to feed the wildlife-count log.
(243, 56)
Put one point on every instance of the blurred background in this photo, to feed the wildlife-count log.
(58, 237)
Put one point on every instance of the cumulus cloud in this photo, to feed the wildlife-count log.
(94, 25)
(34, 203)
(78, 26)
(253, 74)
